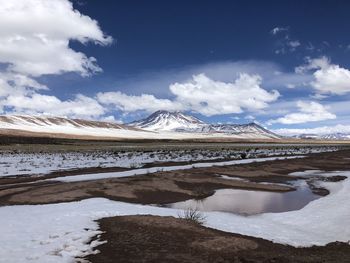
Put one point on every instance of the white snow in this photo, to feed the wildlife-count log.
(141, 171)
(322, 221)
(178, 122)
(41, 163)
(60, 232)
(109, 130)
(234, 178)
(169, 121)
(66, 126)
(306, 173)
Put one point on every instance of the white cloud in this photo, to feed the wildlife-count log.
(316, 63)
(294, 43)
(202, 95)
(274, 77)
(249, 117)
(328, 78)
(277, 30)
(35, 36)
(111, 118)
(80, 107)
(284, 43)
(290, 86)
(308, 112)
(34, 41)
(18, 84)
(210, 97)
(127, 103)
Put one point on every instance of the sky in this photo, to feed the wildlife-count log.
(282, 64)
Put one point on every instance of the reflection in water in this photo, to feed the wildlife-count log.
(248, 202)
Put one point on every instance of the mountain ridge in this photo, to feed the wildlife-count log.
(179, 122)
(159, 125)
(170, 125)
(340, 136)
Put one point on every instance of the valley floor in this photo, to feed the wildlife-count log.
(68, 230)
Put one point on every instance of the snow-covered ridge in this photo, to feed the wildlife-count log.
(76, 127)
(168, 121)
(26, 120)
(160, 125)
(330, 136)
(179, 122)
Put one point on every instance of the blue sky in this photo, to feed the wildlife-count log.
(284, 64)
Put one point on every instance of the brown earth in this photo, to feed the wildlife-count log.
(174, 186)
(168, 239)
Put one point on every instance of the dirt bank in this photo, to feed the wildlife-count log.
(167, 239)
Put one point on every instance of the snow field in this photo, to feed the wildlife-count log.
(61, 232)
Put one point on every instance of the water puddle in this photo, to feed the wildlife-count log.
(247, 202)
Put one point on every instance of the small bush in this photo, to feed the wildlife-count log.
(193, 215)
(134, 165)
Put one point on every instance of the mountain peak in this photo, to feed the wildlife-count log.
(163, 120)
(177, 121)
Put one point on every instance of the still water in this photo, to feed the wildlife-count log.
(247, 202)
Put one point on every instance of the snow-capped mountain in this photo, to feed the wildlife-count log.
(331, 136)
(336, 136)
(169, 121)
(179, 122)
(160, 125)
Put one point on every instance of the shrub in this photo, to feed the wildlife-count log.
(193, 215)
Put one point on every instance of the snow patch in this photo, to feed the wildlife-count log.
(142, 171)
(60, 232)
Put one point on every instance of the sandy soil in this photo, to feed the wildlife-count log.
(167, 239)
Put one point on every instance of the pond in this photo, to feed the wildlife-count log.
(248, 202)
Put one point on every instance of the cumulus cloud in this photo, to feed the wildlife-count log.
(34, 41)
(328, 78)
(18, 84)
(80, 107)
(35, 36)
(210, 97)
(308, 112)
(202, 95)
(316, 63)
